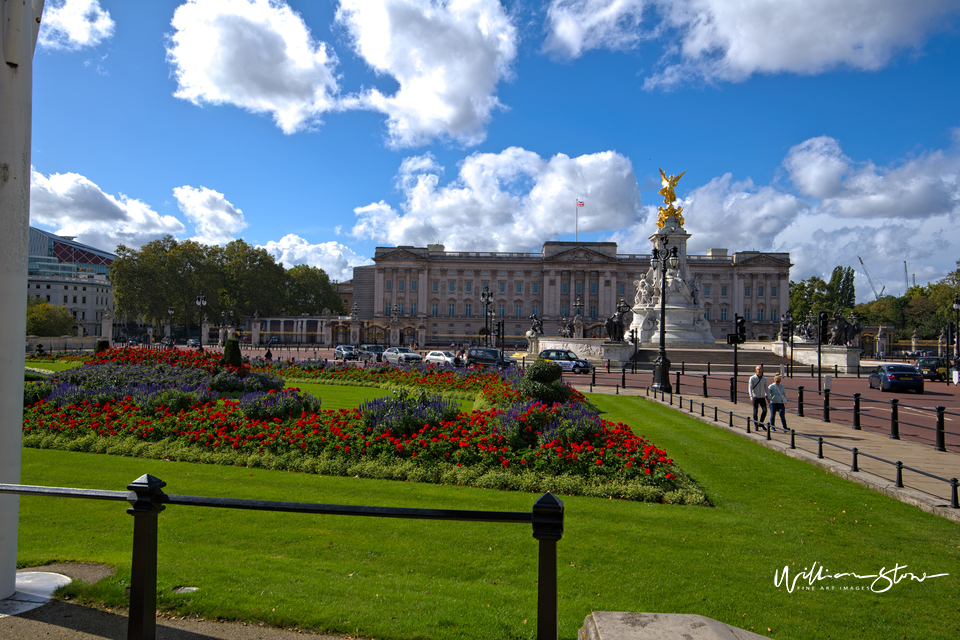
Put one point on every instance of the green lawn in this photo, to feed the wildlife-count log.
(55, 365)
(411, 579)
(346, 397)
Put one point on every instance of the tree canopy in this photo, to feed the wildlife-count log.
(927, 308)
(237, 279)
(45, 319)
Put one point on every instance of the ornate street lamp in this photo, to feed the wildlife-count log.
(956, 326)
(663, 260)
(578, 307)
(201, 303)
(486, 299)
(170, 333)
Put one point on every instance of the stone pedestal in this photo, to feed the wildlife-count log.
(255, 332)
(592, 349)
(106, 325)
(610, 625)
(685, 322)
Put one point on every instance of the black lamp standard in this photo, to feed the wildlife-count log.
(201, 303)
(170, 323)
(486, 299)
(663, 260)
(956, 327)
(788, 322)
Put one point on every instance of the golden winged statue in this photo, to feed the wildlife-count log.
(669, 197)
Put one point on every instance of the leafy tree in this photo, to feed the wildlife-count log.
(309, 291)
(252, 282)
(45, 319)
(841, 293)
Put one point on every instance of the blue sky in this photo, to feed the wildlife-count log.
(319, 130)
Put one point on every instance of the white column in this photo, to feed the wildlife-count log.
(18, 37)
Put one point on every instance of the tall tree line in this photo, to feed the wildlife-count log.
(237, 279)
(926, 308)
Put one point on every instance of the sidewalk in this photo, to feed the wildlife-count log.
(928, 494)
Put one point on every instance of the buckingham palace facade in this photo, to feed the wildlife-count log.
(435, 295)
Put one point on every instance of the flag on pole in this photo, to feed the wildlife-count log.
(579, 203)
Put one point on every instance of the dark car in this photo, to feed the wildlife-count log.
(370, 353)
(894, 377)
(568, 360)
(933, 368)
(487, 357)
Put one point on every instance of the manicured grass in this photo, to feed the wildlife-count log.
(348, 397)
(413, 579)
(53, 365)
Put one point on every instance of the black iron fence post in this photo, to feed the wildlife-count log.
(941, 445)
(800, 401)
(708, 368)
(547, 528)
(733, 390)
(704, 386)
(678, 383)
(146, 494)
(826, 405)
(593, 378)
(856, 411)
(623, 377)
(894, 419)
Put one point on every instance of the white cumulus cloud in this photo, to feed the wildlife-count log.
(337, 260)
(447, 58)
(575, 26)
(832, 209)
(256, 54)
(508, 201)
(73, 24)
(721, 40)
(215, 219)
(75, 206)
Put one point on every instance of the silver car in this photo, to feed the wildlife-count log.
(443, 357)
(401, 355)
(568, 360)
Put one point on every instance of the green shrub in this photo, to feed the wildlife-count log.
(102, 345)
(545, 371)
(231, 353)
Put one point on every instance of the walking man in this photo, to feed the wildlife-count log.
(758, 393)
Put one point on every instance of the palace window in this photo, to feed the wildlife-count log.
(451, 309)
(453, 286)
(434, 309)
(399, 285)
(723, 313)
(518, 310)
(723, 292)
(436, 285)
(468, 286)
(579, 288)
(468, 309)
(519, 287)
(706, 289)
(503, 287)
(773, 291)
(413, 308)
(502, 309)
(563, 287)
(388, 284)
(593, 288)
(413, 285)
(746, 291)
(536, 288)
(593, 311)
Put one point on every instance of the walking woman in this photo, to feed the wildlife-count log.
(778, 401)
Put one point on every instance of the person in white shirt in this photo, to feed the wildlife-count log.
(778, 401)
(758, 393)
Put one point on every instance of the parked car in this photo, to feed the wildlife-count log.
(401, 355)
(893, 377)
(933, 368)
(132, 342)
(193, 342)
(568, 360)
(448, 358)
(345, 352)
(488, 357)
(167, 342)
(370, 353)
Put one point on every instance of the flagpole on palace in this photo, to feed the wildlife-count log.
(576, 228)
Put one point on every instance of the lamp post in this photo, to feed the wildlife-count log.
(170, 324)
(788, 320)
(201, 303)
(662, 260)
(956, 326)
(486, 299)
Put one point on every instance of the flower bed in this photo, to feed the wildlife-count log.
(516, 443)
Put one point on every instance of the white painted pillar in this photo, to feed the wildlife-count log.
(18, 37)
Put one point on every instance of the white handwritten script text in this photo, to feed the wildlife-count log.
(882, 581)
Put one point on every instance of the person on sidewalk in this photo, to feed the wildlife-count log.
(778, 401)
(758, 393)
